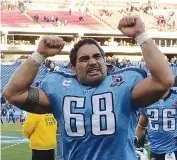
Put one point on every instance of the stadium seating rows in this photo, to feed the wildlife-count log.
(15, 18)
(8, 70)
(96, 20)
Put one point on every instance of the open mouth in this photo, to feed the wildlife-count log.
(93, 72)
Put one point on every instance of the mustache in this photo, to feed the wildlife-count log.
(93, 68)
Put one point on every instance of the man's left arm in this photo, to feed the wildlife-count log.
(152, 88)
(141, 128)
(149, 90)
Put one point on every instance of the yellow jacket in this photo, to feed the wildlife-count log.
(41, 130)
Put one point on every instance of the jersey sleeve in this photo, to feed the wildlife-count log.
(142, 111)
(132, 75)
(52, 85)
(136, 75)
(44, 85)
(48, 85)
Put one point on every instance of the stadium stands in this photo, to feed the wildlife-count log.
(95, 19)
(69, 19)
(7, 70)
(14, 18)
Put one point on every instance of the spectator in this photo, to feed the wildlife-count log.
(56, 69)
(11, 114)
(69, 11)
(1, 117)
(45, 19)
(21, 6)
(52, 19)
(56, 19)
(41, 131)
(109, 67)
(50, 65)
(23, 116)
(36, 18)
(81, 19)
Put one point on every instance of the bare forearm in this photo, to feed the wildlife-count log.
(22, 78)
(140, 132)
(157, 64)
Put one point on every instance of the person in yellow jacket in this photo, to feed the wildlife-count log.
(41, 131)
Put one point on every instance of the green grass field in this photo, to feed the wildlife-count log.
(16, 150)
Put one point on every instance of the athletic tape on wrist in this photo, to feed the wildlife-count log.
(137, 138)
(142, 38)
(38, 58)
(142, 126)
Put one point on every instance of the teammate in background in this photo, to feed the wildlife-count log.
(11, 114)
(3, 104)
(23, 116)
(41, 131)
(160, 120)
(96, 112)
(1, 117)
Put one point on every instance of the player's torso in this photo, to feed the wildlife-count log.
(94, 121)
(162, 118)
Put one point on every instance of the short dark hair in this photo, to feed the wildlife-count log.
(73, 52)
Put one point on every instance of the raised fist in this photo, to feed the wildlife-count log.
(131, 26)
(50, 45)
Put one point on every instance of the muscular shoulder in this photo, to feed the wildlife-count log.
(57, 76)
(54, 80)
(131, 76)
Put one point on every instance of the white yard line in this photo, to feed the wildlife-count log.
(12, 145)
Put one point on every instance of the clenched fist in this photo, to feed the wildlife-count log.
(131, 26)
(50, 45)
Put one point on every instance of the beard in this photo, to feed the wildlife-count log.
(92, 81)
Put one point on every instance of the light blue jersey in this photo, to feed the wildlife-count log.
(96, 123)
(162, 129)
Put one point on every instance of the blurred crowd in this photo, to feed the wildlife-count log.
(7, 5)
(163, 18)
(112, 61)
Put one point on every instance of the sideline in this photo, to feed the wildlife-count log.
(10, 130)
(13, 139)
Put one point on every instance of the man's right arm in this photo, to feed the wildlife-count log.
(18, 90)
